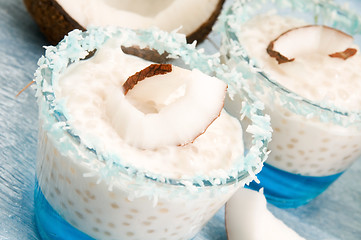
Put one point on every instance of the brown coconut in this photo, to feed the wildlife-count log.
(55, 22)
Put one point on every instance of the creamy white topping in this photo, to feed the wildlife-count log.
(314, 76)
(168, 15)
(85, 88)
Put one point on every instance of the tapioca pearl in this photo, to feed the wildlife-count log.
(51, 195)
(302, 165)
(301, 152)
(89, 194)
(180, 215)
(344, 146)
(174, 234)
(150, 231)
(78, 192)
(67, 179)
(287, 114)
(87, 210)
(72, 170)
(321, 159)
(114, 205)
(98, 221)
(151, 218)
(56, 152)
(323, 149)
(276, 129)
(47, 158)
(356, 146)
(146, 223)
(279, 147)
(290, 146)
(107, 233)
(163, 210)
(79, 215)
(126, 224)
(284, 121)
(111, 225)
(278, 158)
(133, 210)
(112, 195)
(129, 216)
(346, 158)
(57, 191)
(294, 140)
(186, 219)
(85, 199)
(314, 165)
(63, 205)
(92, 184)
(289, 164)
(301, 132)
(196, 209)
(289, 156)
(325, 140)
(54, 166)
(61, 177)
(95, 229)
(356, 150)
(178, 227)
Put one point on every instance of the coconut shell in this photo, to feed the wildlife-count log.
(202, 32)
(55, 23)
(51, 18)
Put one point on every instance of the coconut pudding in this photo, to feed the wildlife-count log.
(131, 149)
(300, 144)
(57, 17)
(306, 74)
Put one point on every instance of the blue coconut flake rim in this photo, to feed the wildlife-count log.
(77, 45)
(324, 12)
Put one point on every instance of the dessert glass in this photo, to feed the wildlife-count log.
(313, 142)
(82, 193)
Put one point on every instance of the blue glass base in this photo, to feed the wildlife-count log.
(288, 190)
(50, 224)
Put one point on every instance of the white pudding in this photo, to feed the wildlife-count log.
(305, 144)
(123, 206)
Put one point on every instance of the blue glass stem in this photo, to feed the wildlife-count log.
(50, 224)
(288, 190)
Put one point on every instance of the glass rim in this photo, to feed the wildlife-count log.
(77, 45)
